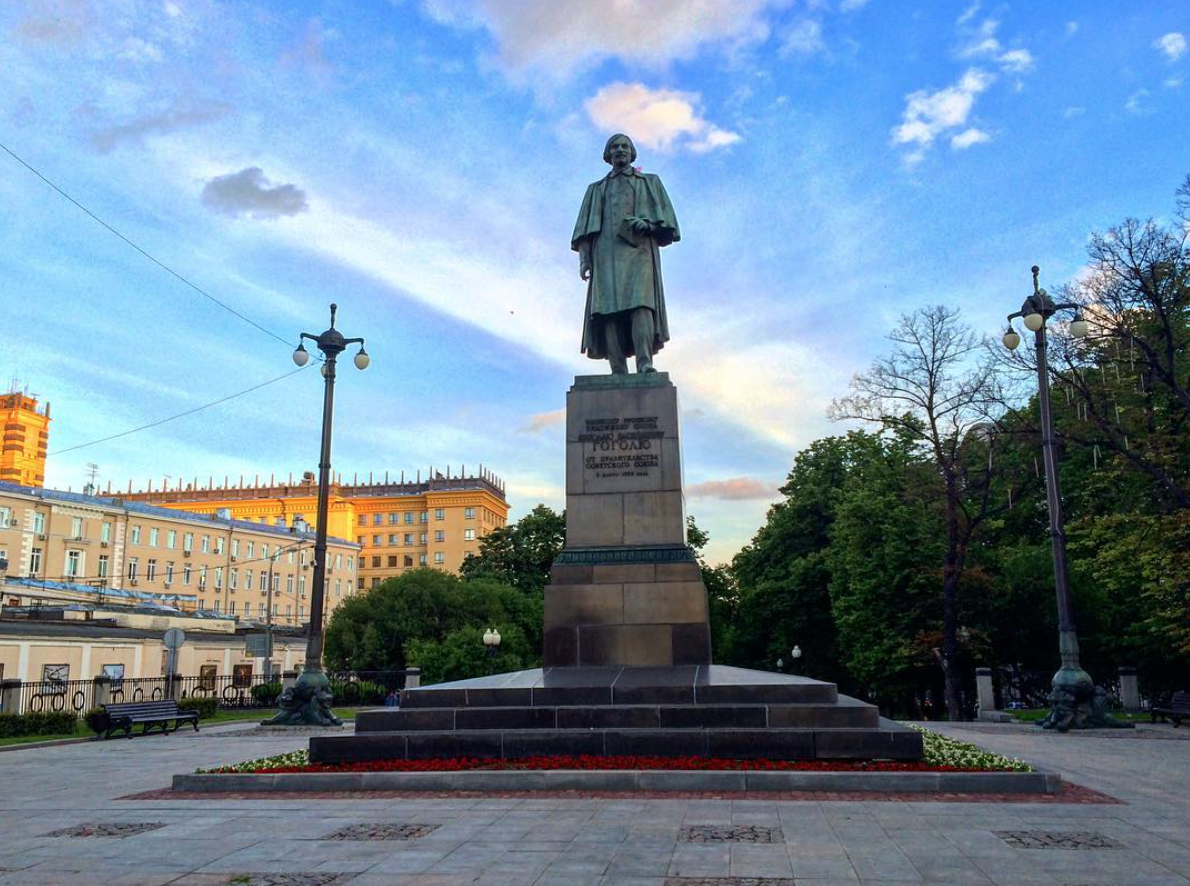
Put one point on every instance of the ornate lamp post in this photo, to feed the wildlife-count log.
(1074, 700)
(308, 702)
(795, 653)
(491, 642)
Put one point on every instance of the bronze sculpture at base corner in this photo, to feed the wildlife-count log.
(306, 703)
(1072, 709)
(625, 219)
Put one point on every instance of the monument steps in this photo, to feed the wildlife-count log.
(846, 713)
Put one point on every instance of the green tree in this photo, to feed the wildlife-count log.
(521, 553)
(722, 594)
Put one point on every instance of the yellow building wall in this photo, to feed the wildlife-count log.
(24, 432)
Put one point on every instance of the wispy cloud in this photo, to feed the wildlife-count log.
(928, 115)
(734, 489)
(171, 119)
(1137, 103)
(656, 118)
(543, 421)
(969, 137)
(249, 192)
(1171, 45)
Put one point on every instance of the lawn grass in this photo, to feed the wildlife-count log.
(29, 739)
(1032, 715)
(258, 714)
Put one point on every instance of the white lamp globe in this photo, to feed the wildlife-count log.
(1011, 339)
(1034, 322)
(322, 369)
(1079, 327)
(362, 359)
(301, 356)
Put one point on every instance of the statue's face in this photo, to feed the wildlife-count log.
(620, 151)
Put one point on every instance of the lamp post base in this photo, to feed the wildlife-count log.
(306, 703)
(1077, 703)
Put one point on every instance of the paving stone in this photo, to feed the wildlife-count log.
(381, 831)
(730, 834)
(729, 881)
(110, 829)
(1057, 840)
(279, 879)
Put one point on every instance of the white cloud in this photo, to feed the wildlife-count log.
(1172, 44)
(969, 137)
(804, 38)
(1016, 60)
(656, 118)
(928, 115)
(543, 421)
(249, 192)
(852, 5)
(982, 43)
(553, 39)
(733, 489)
(1172, 83)
(1073, 112)
(181, 115)
(1136, 103)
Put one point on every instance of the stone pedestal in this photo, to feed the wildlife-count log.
(626, 589)
(986, 692)
(10, 696)
(1129, 689)
(102, 690)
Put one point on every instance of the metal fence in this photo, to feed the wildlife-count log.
(350, 688)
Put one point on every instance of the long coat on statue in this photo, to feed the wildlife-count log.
(625, 267)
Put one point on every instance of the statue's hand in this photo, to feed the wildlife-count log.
(584, 270)
(640, 225)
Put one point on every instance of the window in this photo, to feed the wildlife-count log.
(338, 587)
(338, 561)
(302, 558)
(76, 527)
(114, 672)
(280, 521)
(393, 539)
(105, 532)
(392, 562)
(469, 513)
(151, 570)
(301, 610)
(206, 544)
(350, 586)
(375, 581)
(394, 518)
(439, 558)
(422, 538)
(289, 610)
(218, 577)
(408, 562)
(262, 610)
(468, 535)
(301, 586)
(409, 516)
(233, 578)
(39, 522)
(231, 608)
(360, 539)
(264, 552)
(408, 538)
(439, 535)
(154, 534)
(439, 514)
(276, 583)
(350, 563)
(206, 677)
(421, 559)
(171, 539)
(241, 675)
(102, 570)
(219, 545)
(375, 562)
(425, 516)
(5, 517)
(35, 561)
(202, 578)
(377, 519)
(250, 549)
(188, 541)
(375, 540)
(264, 580)
(289, 558)
(169, 572)
(235, 547)
(289, 585)
(134, 536)
(247, 579)
(186, 573)
(74, 563)
(363, 519)
(132, 564)
(274, 610)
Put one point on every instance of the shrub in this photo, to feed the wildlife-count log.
(358, 692)
(205, 707)
(37, 723)
(266, 693)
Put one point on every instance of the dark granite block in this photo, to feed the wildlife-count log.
(431, 745)
(530, 744)
(398, 720)
(433, 698)
(500, 697)
(609, 717)
(771, 693)
(653, 695)
(691, 643)
(354, 748)
(770, 744)
(571, 574)
(691, 743)
(560, 647)
(548, 696)
(683, 571)
(713, 716)
(504, 718)
(867, 744)
(823, 716)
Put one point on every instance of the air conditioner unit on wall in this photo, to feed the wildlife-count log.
(103, 544)
(132, 582)
(186, 553)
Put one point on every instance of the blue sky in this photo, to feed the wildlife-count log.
(833, 164)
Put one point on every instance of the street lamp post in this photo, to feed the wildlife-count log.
(795, 653)
(491, 642)
(1074, 700)
(308, 702)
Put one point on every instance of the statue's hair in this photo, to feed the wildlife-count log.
(607, 148)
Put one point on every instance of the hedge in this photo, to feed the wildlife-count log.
(37, 723)
(206, 707)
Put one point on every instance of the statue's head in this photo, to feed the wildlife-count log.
(619, 147)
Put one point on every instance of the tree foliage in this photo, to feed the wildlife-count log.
(520, 554)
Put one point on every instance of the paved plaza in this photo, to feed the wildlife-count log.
(64, 819)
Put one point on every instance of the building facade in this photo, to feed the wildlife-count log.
(399, 525)
(26, 436)
(56, 545)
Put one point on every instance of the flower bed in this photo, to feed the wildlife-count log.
(941, 755)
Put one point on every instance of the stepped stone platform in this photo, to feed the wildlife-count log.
(693, 710)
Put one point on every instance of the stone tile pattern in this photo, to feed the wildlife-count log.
(111, 829)
(1057, 840)
(382, 831)
(637, 597)
(279, 879)
(730, 834)
(729, 881)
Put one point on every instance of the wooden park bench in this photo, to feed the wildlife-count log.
(151, 714)
(1177, 708)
